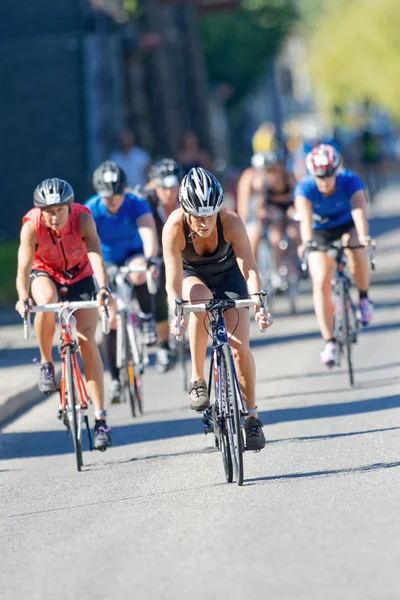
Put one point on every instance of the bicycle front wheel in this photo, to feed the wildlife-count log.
(220, 429)
(136, 368)
(124, 364)
(347, 333)
(182, 357)
(231, 409)
(73, 401)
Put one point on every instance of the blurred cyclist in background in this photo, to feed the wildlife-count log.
(331, 203)
(265, 200)
(162, 196)
(127, 233)
(191, 154)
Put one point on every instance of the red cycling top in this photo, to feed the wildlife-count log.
(61, 254)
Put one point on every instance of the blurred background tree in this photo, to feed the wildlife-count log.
(238, 44)
(355, 54)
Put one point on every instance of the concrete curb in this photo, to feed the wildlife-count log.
(21, 401)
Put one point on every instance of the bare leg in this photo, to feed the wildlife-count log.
(86, 323)
(194, 289)
(44, 292)
(254, 231)
(275, 232)
(358, 261)
(162, 331)
(321, 266)
(244, 360)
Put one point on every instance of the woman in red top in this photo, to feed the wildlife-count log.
(59, 252)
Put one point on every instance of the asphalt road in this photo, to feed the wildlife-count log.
(318, 516)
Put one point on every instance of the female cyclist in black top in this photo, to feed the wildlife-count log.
(207, 254)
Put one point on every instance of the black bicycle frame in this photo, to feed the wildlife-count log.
(220, 339)
(341, 279)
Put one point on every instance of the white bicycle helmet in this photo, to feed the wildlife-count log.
(200, 193)
(263, 160)
(323, 161)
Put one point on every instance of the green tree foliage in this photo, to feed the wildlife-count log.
(238, 44)
(355, 54)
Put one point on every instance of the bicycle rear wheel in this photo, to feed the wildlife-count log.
(72, 400)
(233, 425)
(347, 334)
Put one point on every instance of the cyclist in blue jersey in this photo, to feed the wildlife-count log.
(161, 194)
(332, 206)
(127, 233)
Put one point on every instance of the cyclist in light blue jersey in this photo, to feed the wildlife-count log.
(331, 203)
(127, 232)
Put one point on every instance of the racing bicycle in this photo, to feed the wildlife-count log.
(346, 321)
(228, 407)
(131, 350)
(74, 399)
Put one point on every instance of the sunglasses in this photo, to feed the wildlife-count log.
(331, 176)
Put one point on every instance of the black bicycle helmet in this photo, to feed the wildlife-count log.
(109, 179)
(200, 193)
(166, 173)
(53, 192)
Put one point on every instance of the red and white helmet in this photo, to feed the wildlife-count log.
(323, 161)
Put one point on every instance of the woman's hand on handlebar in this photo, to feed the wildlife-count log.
(154, 271)
(22, 305)
(174, 326)
(263, 320)
(104, 297)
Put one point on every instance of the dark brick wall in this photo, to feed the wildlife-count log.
(42, 130)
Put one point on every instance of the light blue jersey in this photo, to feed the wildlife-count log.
(119, 234)
(334, 209)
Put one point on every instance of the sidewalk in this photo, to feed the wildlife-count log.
(19, 374)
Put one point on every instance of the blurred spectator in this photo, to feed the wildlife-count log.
(132, 159)
(191, 155)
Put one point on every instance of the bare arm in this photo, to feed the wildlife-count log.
(173, 243)
(235, 232)
(148, 233)
(304, 208)
(243, 194)
(26, 253)
(359, 214)
(88, 231)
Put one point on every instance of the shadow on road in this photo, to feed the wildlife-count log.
(325, 411)
(381, 225)
(331, 436)
(327, 473)
(326, 373)
(48, 443)
(310, 335)
(379, 383)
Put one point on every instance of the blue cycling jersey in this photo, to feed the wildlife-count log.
(119, 234)
(335, 209)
